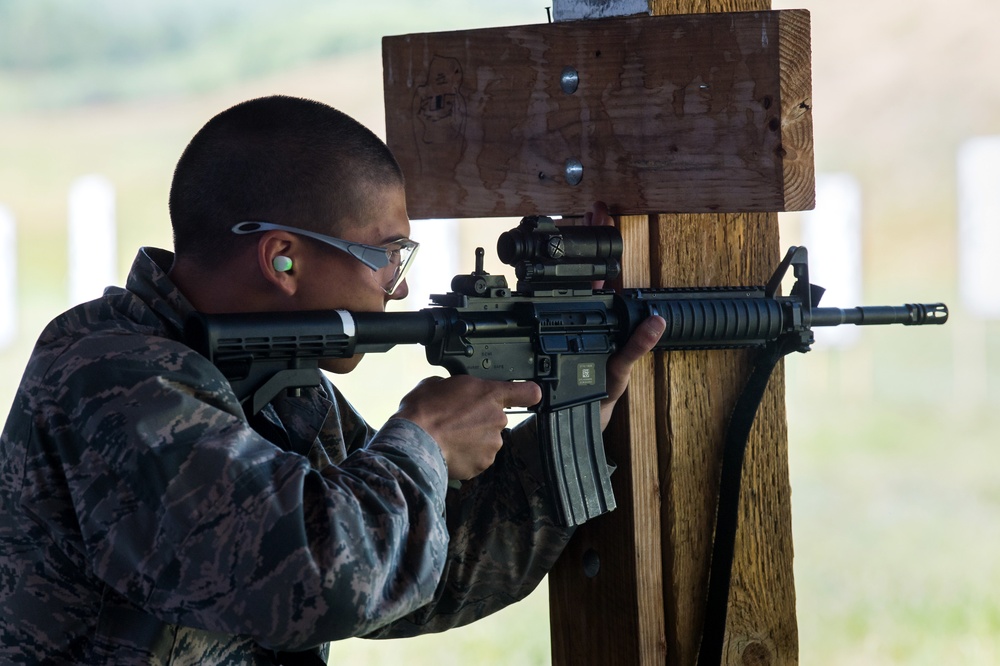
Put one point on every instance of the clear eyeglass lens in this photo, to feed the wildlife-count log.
(400, 255)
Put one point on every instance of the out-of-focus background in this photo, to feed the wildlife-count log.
(895, 467)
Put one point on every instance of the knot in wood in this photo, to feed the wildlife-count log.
(756, 654)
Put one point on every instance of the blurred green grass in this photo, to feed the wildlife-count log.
(896, 510)
(515, 636)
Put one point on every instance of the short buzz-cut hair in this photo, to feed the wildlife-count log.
(276, 159)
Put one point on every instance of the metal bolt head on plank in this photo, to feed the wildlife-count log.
(693, 113)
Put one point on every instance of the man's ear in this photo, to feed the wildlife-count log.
(276, 254)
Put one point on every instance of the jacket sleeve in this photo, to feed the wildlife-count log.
(185, 510)
(504, 539)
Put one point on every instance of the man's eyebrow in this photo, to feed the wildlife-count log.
(393, 239)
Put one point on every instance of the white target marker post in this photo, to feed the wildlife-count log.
(832, 234)
(8, 278)
(978, 262)
(93, 242)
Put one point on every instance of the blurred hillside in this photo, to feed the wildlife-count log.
(896, 505)
(57, 54)
(897, 87)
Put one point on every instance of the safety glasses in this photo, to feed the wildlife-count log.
(389, 262)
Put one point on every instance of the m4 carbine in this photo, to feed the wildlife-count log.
(555, 329)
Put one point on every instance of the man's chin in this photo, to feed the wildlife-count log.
(341, 366)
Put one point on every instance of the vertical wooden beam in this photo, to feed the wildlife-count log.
(696, 392)
(606, 592)
(610, 614)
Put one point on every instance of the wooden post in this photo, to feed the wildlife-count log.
(691, 395)
(706, 116)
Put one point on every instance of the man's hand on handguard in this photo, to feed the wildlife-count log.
(619, 366)
(646, 335)
(465, 416)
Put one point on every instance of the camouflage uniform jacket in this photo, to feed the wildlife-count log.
(144, 520)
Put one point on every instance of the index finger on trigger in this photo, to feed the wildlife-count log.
(520, 394)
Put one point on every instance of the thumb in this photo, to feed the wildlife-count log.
(644, 338)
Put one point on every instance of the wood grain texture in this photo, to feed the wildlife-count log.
(762, 627)
(699, 390)
(664, 7)
(671, 114)
(794, 39)
(617, 615)
(695, 394)
(691, 399)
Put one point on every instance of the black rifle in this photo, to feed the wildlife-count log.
(555, 330)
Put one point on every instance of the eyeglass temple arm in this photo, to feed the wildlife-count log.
(371, 256)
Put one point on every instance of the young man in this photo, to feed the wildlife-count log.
(145, 519)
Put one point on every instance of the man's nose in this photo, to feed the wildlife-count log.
(401, 291)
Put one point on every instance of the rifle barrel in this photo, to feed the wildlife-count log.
(910, 314)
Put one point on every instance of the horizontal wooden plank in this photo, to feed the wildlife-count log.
(668, 114)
